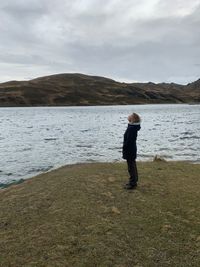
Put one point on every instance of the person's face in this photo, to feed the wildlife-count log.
(130, 118)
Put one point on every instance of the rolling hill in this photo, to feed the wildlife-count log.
(79, 89)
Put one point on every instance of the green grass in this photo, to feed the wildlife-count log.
(80, 215)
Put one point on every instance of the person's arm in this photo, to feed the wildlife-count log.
(125, 139)
(130, 138)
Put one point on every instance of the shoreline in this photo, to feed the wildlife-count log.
(57, 168)
(102, 105)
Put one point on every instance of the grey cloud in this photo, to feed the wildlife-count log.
(110, 38)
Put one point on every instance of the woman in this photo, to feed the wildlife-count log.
(130, 149)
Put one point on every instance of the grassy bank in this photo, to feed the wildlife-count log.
(80, 215)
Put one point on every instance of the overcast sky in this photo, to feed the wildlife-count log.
(127, 40)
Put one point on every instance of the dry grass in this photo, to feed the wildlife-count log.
(80, 215)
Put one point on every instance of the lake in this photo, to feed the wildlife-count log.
(38, 139)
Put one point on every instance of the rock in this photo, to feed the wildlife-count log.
(115, 210)
(158, 158)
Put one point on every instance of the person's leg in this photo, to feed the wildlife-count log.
(132, 169)
(129, 163)
(135, 172)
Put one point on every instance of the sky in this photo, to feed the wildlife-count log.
(126, 40)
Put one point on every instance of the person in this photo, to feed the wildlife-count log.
(130, 149)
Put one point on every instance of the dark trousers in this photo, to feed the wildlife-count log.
(132, 169)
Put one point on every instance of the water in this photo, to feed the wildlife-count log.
(37, 139)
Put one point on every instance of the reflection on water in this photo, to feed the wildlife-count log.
(33, 140)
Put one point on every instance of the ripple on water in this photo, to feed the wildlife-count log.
(40, 169)
(50, 139)
(84, 146)
(8, 173)
(190, 137)
(164, 149)
(27, 149)
(86, 130)
(114, 148)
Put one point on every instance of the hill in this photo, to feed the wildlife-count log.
(79, 89)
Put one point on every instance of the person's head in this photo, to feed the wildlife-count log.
(134, 118)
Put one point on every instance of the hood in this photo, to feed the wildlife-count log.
(136, 126)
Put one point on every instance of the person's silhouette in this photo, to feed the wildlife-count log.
(130, 149)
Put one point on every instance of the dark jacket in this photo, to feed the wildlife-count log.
(129, 144)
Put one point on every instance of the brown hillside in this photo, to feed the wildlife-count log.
(80, 89)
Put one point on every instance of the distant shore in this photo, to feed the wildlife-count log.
(76, 89)
(100, 105)
(80, 215)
